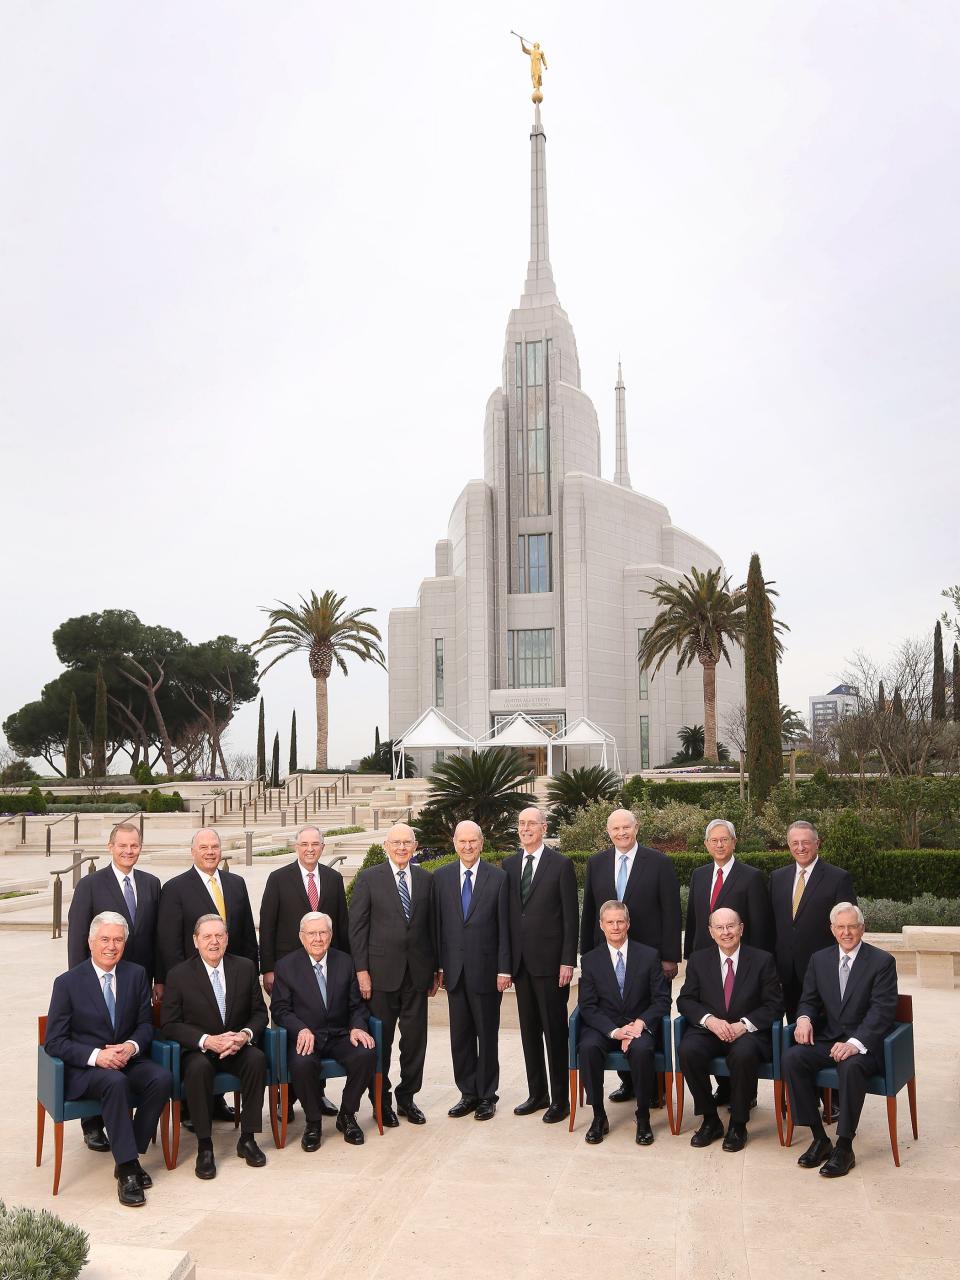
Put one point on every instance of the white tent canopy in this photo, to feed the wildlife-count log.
(519, 731)
(432, 731)
(584, 733)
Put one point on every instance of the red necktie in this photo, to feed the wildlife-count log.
(312, 896)
(728, 984)
(717, 886)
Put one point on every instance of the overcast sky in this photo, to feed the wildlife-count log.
(257, 260)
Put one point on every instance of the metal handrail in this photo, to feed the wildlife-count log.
(58, 885)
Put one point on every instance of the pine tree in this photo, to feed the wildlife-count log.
(881, 699)
(956, 684)
(764, 752)
(100, 728)
(261, 746)
(275, 767)
(938, 703)
(71, 757)
(293, 743)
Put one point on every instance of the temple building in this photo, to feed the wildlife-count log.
(537, 603)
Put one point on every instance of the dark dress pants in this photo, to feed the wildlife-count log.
(792, 989)
(474, 1035)
(307, 1074)
(594, 1047)
(744, 1056)
(542, 1012)
(199, 1069)
(801, 1063)
(406, 1008)
(141, 1079)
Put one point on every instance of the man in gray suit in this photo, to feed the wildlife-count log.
(393, 948)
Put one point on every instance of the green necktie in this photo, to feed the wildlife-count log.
(526, 880)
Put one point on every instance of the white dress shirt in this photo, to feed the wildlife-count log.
(92, 1060)
(860, 1047)
(206, 884)
(121, 876)
(535, 854)
(735, 957)
(629, 854)
(406, 875)
(211, 970)
(726, 869)
(807, 870)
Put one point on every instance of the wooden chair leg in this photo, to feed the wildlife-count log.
(574, 1090)
(175, 1133)
(912, 1098)
(678, 1111)
(57, 1154)
(827, 1106)
(892, 1126)
(41, 1120)
(273, 1101)
(378, 1100)
(789, 1136)
(165, 1136)
(236, 1110)
(778, 1107)
(667, 1093)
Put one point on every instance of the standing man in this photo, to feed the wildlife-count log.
(394, 953)
(543, 947)
(132, 894)
(473, 933)
(847, 1007)
(213, 1006)
(730, 998)
(726, 882)
(645, 882)
(802, 897)
(99, 1023)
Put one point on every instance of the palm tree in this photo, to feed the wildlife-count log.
(691, 740)
(698, 619)
(485, 786)
(574, 788)
(792, 725)
(325, 634)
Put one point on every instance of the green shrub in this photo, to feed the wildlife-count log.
(375, 854)
(16, 773)
(31, 801)
(160, 802)
(343, 831)
(846, 834)
(885, 915)
(37, 1245)
(93, 808)
(588, 830)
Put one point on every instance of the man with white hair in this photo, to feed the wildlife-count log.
(726, 881)
(100, 1024)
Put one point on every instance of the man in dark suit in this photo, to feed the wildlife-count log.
(317, 1001)
(624, 994)
(213, 1006)
(730, 998)
(473, 946)
(543, 947)
(726, 882)
(136, 896)
(99, 1023)
(394, 952)
(197, 892)
(847, 1007)
(645, 881)
(802, 897)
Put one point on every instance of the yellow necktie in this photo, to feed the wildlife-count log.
(798, 891)
(222, 906)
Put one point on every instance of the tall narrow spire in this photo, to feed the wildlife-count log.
(621, 474)
(539, 289)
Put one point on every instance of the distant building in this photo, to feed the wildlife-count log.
(829, 708)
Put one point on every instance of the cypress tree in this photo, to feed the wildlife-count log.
(897, 708)
(275, 767)
(261, 746)
(100, 728)
(376, 740)
(71, 757)
(881, 700)
(293, 743)
(956, 684)
(764, 751)
(938, 703)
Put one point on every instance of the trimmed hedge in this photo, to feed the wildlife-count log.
(883, 915)
(31, 801)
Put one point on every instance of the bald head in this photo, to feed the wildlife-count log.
(468, 842)
(531, 828)
(622, 829)
(400, 844)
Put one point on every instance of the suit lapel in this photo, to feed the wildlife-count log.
(300, 891)
(857, 970)
(479, 880)
(541, 872)
(812, 878)
(608, 875)
(96, 991)
(728, 876)
(633, 969)
(206, 988)
(609, 976)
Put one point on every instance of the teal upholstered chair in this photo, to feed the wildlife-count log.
(718, 1067)
(662, 1061)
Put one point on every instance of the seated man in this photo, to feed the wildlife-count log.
(317, 1001)
(100, 1024)
(212, 1005)
(623, 995)
(847, 1006)
(731, 997)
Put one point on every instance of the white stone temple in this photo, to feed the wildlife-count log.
(537, 603)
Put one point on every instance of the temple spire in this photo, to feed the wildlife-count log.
(621, 474)
(539, 289)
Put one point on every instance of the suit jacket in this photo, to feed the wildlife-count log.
(78, 1022)
(797, 939)
(646, 991)
(183, 900)
(476, 948)
(189, 1008)
(756, 990)
(101, 892)
(543, 934)
(284, 905)
(383, 942)
(652, 897)
(744, 890)
(868, 1009)
(296, 1002)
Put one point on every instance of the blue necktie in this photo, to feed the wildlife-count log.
(321, 982)
(466, 893)
(404, 893)
(621, 971)
(110, 998)
(129, 899)
(218, 993)
(622, 877)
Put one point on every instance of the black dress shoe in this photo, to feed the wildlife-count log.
(839, 1164)
(656, 1102)
(556, 1112)
(206, 1167)
(328, 1108)
(96, 1139)
(310, 1139)
(463, 1107)
(139, 1173)
(347, 1125)
(248, 1150)
(389, 1118)
(130, 1192)
(623, 1094)
(599, 1126)
(412, 1112)
(222, 1109)
(531, 1105)
(710, 1130)
(819, 1150)
(486, 1110)
(735, 1139)
(644, 1132)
